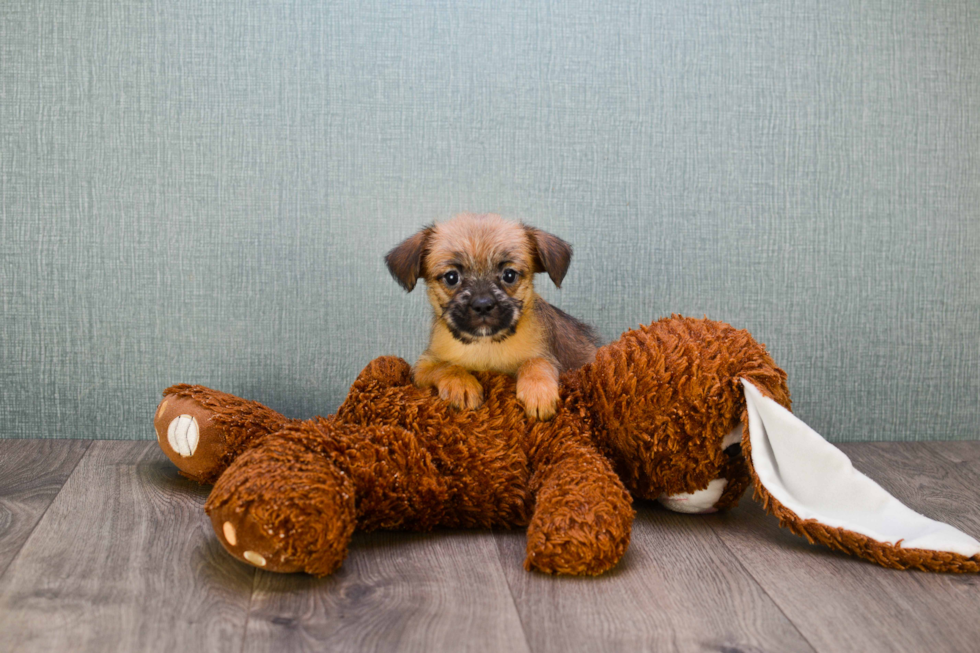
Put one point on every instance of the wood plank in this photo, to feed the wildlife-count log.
(965, 454)
(677, 588)
(32, 473)
(124, 559)
(440, 591)
(843, 603)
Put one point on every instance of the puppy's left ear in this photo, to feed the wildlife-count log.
(405, 260)
(551, 254)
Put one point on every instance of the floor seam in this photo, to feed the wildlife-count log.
(510, 590)
(738, 561)
(248, 610)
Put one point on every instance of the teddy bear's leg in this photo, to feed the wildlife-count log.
(202, 430)
(287, 504)
(582, 514)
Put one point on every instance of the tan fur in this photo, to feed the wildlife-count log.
(455, 384)
(543, 341)
(525, 355)
(537, 387)
(479, 241)
(529, 341)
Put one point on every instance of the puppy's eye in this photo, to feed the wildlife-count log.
(451, 278)
(509, 276)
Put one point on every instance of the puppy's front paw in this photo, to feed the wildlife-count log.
(461, 389)
(539, 395)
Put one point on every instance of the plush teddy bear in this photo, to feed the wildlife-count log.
(686, 411)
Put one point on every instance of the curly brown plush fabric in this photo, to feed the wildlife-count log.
(651, 410)
(662, 397)
(649, 417)
(294, 495)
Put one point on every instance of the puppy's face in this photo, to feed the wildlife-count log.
(479, 270)
(479, 273)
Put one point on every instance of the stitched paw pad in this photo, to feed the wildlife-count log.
(248, 541)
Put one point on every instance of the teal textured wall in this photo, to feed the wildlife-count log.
(202, 190)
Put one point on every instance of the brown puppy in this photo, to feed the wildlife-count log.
(479, 271)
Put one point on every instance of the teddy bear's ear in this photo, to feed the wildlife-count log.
(814, 490)
(405, 260)
(551, 254)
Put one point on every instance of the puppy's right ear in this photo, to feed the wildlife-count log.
(405, 260)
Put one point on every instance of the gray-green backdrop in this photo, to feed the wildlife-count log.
(202, 190)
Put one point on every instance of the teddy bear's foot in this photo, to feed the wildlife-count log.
(284, 506)
(189, 437)
(202, 430)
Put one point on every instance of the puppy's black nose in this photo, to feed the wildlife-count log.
(483, 304)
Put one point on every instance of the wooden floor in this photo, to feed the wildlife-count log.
(103, 547)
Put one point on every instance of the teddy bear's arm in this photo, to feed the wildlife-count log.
(582, 513)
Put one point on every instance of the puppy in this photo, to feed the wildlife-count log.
(479, 271)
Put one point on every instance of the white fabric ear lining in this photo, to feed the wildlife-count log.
(816, 480)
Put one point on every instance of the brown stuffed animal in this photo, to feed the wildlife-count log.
(660, 414)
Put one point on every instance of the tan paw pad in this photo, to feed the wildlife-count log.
(230, 536)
